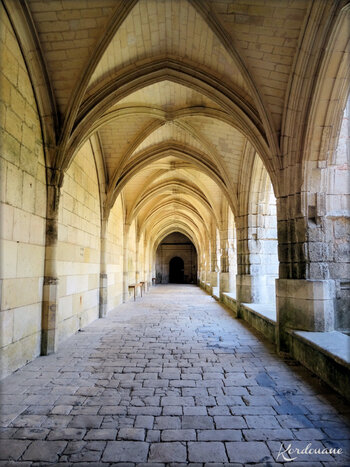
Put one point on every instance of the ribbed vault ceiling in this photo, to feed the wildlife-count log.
(178, 96)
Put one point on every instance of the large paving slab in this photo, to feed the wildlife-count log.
(171, 379)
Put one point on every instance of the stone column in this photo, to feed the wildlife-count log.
(226, 280)
(305, 296)
(50, 288)
(103, 271)
(204, 272)
(126, 263)
(145, 266)
(208, 270)
(214, 267)
(251, 277)
(214, 273)
(137, 267)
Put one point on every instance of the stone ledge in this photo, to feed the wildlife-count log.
(327, 354)
(216, 293)
(230, 301)
(262, 317)
(266, 311)
(205, 286)
(334, 344)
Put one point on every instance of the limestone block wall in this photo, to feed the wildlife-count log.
(78, 245)
(23, 209)
(115, 255)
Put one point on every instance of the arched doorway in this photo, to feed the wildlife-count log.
(176, 246)
(176, 270)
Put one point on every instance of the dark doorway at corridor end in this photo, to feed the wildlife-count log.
(176, 270)
(176, 260)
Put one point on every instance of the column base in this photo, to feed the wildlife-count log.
(304, 305)
(125, 287)
(254, 288)
(214, 279)
(103, 306)
(227, 282)
(49, 314)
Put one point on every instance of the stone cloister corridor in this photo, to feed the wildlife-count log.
(171, 379)
(163, 163)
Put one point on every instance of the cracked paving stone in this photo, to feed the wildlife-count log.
(44, 451)
(11, 449)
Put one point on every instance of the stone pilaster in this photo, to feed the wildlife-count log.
(125, 264)
(227, 281)
(137, 263)
(103, 295)
(49, 314)
(251, 281)
(306, 305)
(214, 268)
(305, 296)
(214, 278)
(103, 303)
(50, 287)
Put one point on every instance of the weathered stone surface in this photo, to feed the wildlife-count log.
(12, 449)
(44, 451)
(178, 435)
(230, 422)
(31, 433)
(131, 429)
(67, 433)
(167, 423)
(167, 452)
(254, 452)
(125, 451)
(206, 452)
(219, 435)
(197, 422)
(135, 434)
(86, 421)
(101, 434)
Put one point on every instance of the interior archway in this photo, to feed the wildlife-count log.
(176, 260)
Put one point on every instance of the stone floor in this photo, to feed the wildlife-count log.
(171, 379)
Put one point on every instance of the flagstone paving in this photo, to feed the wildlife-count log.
(171, 379)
